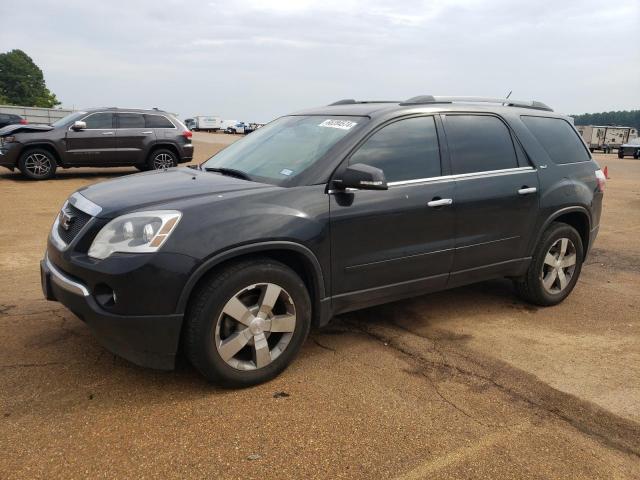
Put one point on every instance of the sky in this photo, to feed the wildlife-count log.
(256, 60)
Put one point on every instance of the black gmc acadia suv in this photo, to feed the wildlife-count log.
(322, 212)
(101, 137)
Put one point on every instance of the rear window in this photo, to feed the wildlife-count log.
(479, 143)
(157, 121)
(558, 138)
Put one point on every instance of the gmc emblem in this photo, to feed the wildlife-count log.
(66, 219)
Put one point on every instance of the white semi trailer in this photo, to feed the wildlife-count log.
(606, 137)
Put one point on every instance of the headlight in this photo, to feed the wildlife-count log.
(8, 139)
(140, 232)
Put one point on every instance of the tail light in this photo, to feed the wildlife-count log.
(187, 134)
(23, 121)
(602, 179)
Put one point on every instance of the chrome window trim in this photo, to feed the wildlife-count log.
(463, 176)
(84, 204)
(70, 129)
(63, 281)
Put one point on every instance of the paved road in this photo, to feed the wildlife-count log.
(470, 383)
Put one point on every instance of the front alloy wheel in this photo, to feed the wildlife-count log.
(37, 164)
(255, 326)
(246, 323)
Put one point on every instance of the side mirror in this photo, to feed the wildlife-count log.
(79, 125)
(362, 177)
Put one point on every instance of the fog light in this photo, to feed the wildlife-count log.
(104, 295)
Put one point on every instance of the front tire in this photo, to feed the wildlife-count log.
(162, 159)
(620, 154)
(555, 267)
(247, 323)
(37, 164)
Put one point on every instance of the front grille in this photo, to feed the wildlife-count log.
(78, 219)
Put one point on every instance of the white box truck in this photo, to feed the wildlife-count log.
(606, 137)
(207, 123)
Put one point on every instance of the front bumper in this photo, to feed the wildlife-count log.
(146, 340)
(9, 153)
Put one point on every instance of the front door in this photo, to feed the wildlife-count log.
(496, 197)
(398, 242)
(134, 138)
(94, 145)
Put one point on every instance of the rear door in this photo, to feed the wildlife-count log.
(391, 243)
(134, 138)
(94, 145)
(496, 196)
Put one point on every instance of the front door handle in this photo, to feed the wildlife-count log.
(108, 133)
(147, 133)
(527, 190)
(441, 202)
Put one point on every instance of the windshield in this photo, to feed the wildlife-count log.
(283, 149)
(72, 117)
(635, 141)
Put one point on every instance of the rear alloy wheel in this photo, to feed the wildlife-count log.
(559, 266)
(247, 323)
(554, 268)
(37, 164)
(162, 159)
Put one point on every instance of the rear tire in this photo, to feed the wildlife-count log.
(38, 164)
(554, 268)
(247, 323)
(161, 159)
(620, 154)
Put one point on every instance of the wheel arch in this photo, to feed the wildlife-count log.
(576, 216)
(43, 146)
(297, 257)
(163, 146)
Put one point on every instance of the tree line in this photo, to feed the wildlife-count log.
(627, 118)
(22, 82)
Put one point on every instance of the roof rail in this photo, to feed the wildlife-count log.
(351, 101)
(426, 99)
(346, 101)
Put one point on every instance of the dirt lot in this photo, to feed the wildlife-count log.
(470, 383)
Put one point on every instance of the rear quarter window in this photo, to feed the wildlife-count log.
(157, 121)
(558, 138)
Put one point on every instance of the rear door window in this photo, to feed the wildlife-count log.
(479, 143)
(157, 121)
(131, 120)
(404, 150)
(558, 138)
(99, 121)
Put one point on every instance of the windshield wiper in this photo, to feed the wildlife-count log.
(231, 172)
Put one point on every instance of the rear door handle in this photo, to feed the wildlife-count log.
(440, 202)
(146, 133)
(108, 133)
(527, 190)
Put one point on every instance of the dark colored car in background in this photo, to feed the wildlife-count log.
(101, 137)
(630, 149)
(322, 212)
(11, 119)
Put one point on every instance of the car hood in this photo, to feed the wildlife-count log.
(151, 189)
(12, 129)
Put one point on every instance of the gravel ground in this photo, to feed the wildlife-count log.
(469, 383)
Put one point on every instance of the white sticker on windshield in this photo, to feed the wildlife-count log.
(341, 124)
(286, 171)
